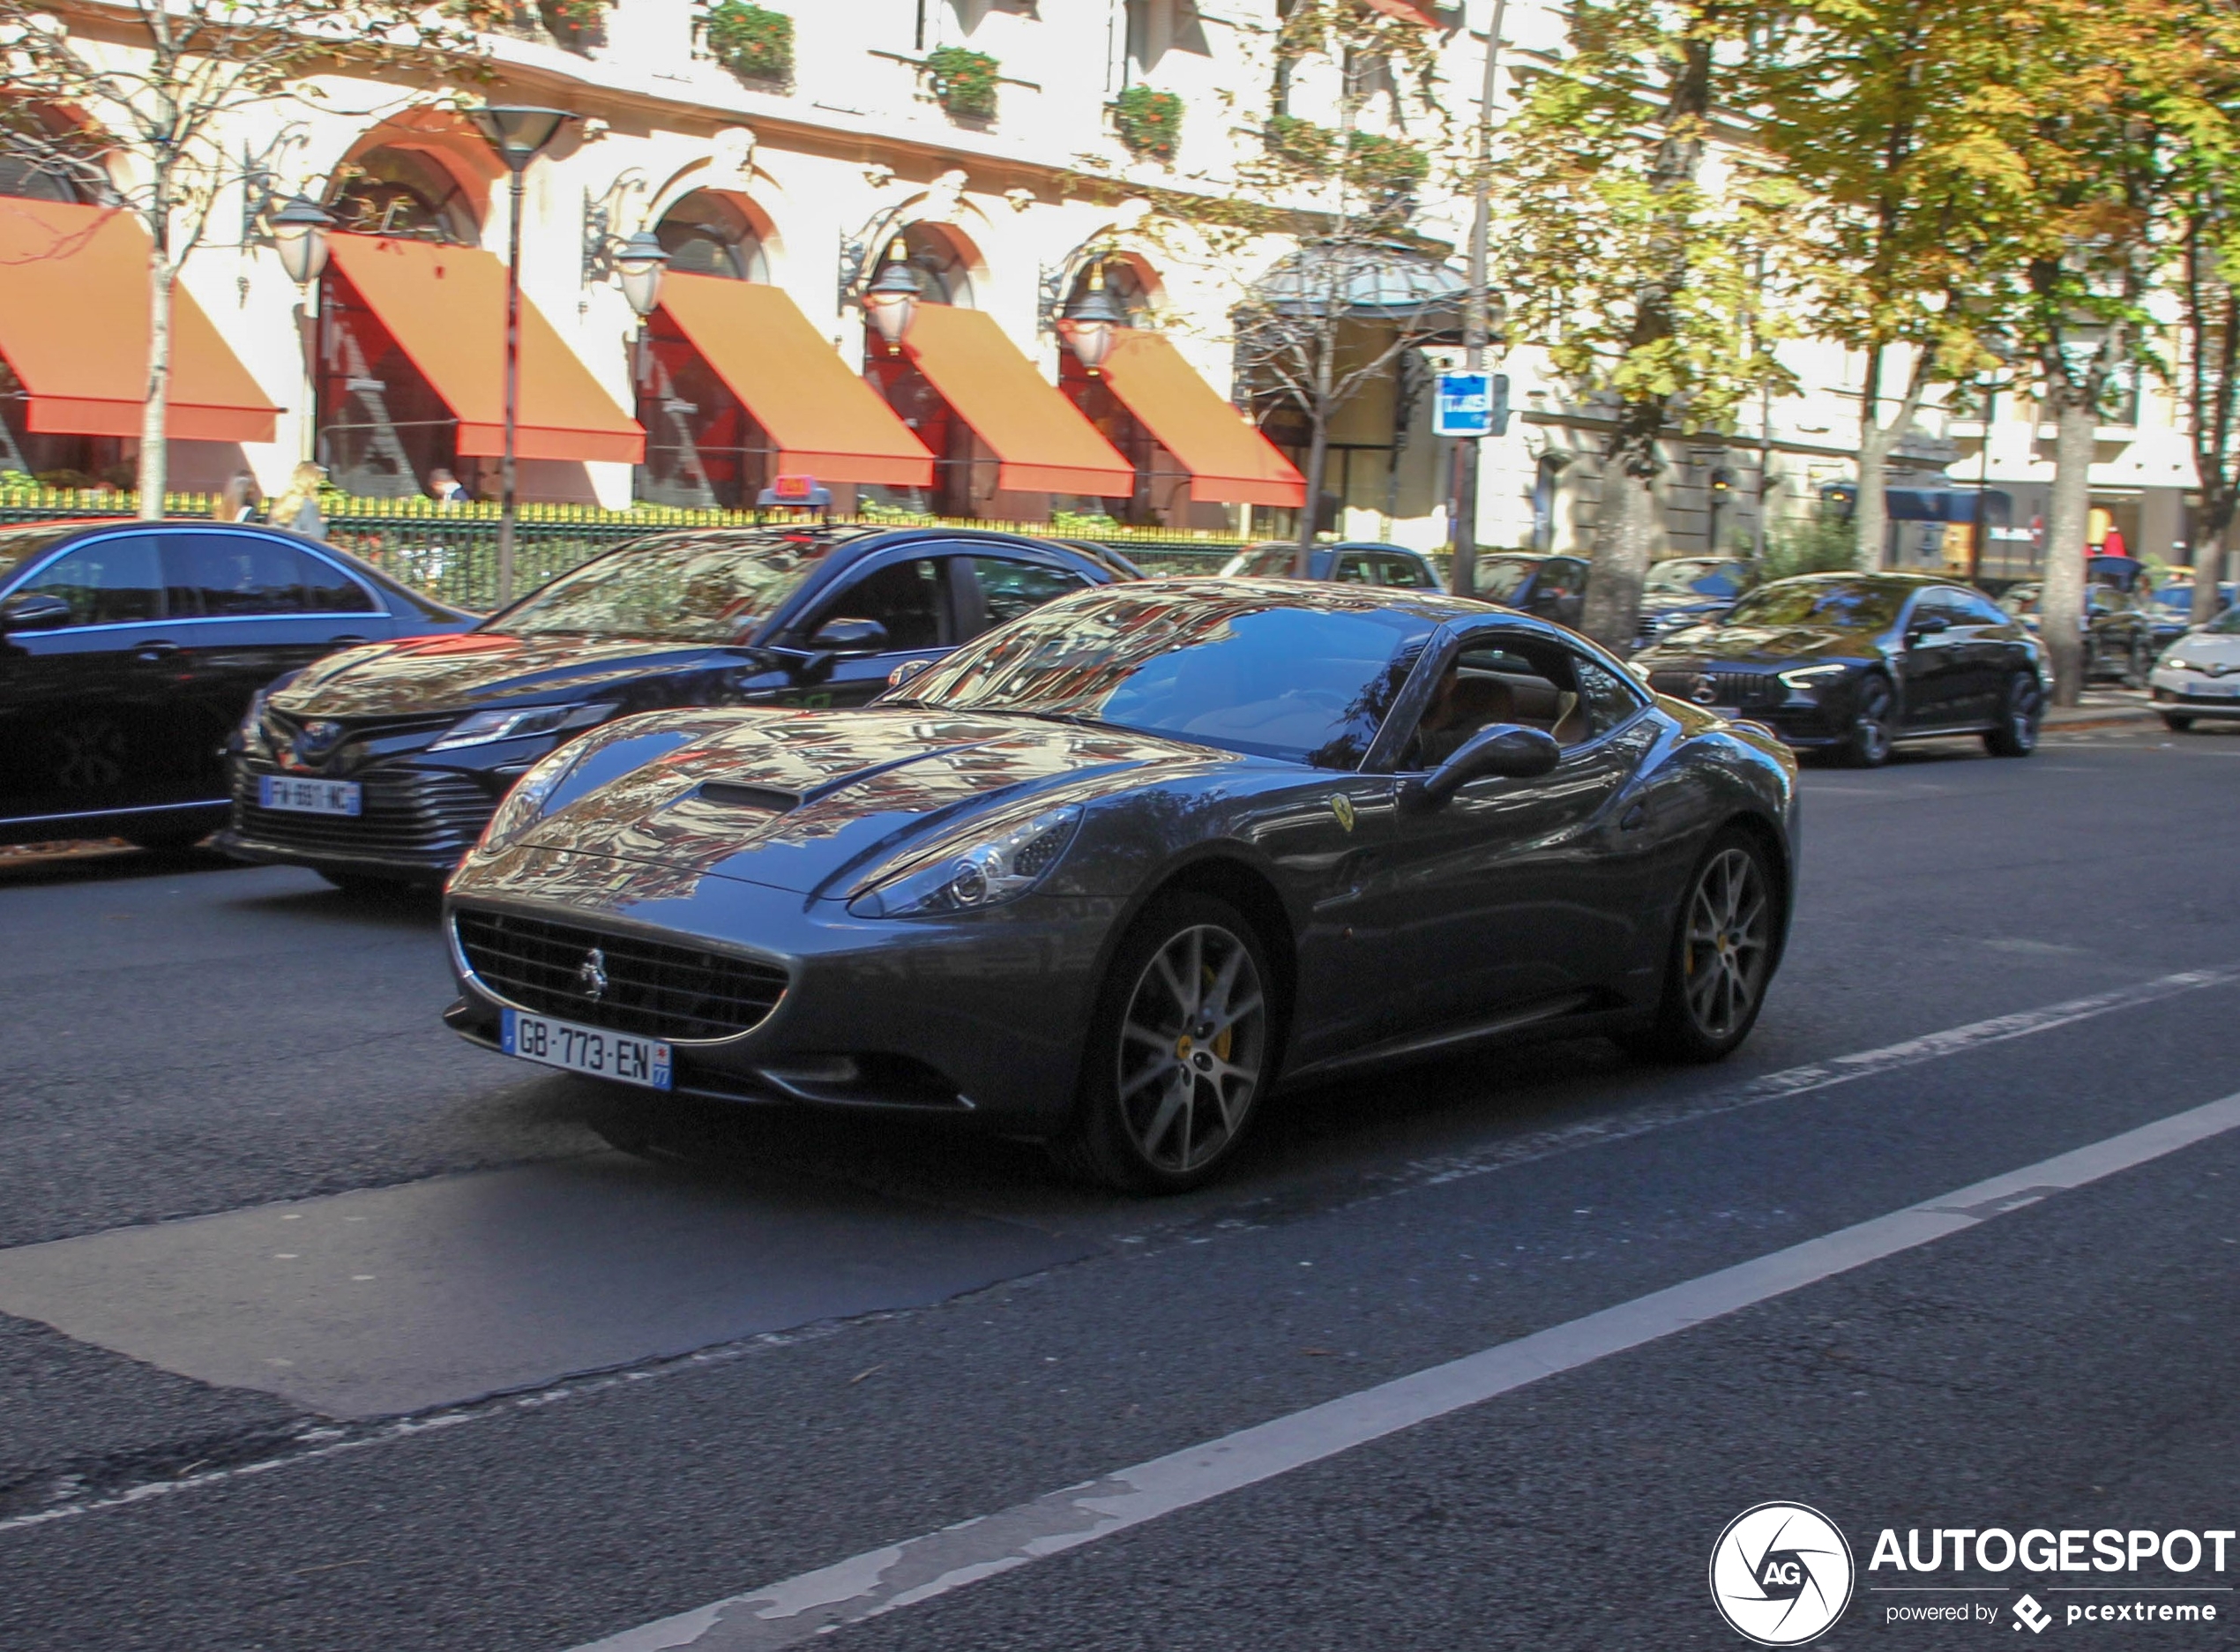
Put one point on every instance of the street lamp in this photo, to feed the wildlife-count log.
(892, 299)
(640, 263)
(1092, 321)
(519, 134)
(299, 235)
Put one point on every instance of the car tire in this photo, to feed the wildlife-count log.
(1173, 1071)
(1725, 942)
(2021, 709)
(1868, 743)
(2176, 723)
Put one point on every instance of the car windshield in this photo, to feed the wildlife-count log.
(1246, 672)
(1501, 577)
(1684, 578)
(676, 588)
(1849, 604)
(21, 545)
(2225, 624)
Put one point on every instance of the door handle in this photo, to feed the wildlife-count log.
(157, 650)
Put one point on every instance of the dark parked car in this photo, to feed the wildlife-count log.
(385, 762)
(1350, 562)
(129, 651)
(1550, 586)
(2119, 630)
(1683, 591)
(1848, 664)
(1108, 874)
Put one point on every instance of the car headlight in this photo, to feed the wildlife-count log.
(2178, 662)
(964, 876)
(485, 726)
(524, 806)
(1812, 677)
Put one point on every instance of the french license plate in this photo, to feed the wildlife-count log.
(2216, 691)
(310, 797)
(592, 1050)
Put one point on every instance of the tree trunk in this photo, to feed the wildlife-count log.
(1318, 460)
(1625, 523)
(2208, 571)
(2061, 600)
(1870, 514)
(156, 410)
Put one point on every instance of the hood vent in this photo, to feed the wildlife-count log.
(732, 795)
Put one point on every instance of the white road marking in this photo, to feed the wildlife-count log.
(322, 1441)
(881, 1580)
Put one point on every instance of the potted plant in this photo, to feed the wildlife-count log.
(753, 41)
(1299, 145)
(1150, 122)
(964, 81)
(575, 24)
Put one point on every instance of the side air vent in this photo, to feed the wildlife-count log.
(769, 799)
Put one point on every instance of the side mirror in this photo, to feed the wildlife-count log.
(906, 670)
(1929, 625)
(1505, 749)
(850, 636)
(33, 610)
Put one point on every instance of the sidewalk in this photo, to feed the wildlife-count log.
(2102, 709)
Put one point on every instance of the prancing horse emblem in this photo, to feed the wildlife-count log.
(590, 975)
(1343, 806)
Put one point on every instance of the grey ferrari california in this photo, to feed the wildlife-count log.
(1107, 874)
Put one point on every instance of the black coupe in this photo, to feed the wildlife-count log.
(1106, 875)
(128, 650)
(1849, 663)
(385, 763)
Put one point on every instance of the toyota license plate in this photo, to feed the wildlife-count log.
(310, 797)
(592, 1050)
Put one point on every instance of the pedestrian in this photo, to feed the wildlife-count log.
(444, 488)
(241, 500)
(298, 507)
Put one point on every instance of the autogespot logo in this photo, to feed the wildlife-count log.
(1781, 1573)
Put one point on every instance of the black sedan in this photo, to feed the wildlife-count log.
(385, 763)
(1106, 875)
(129, 651)
(1849, 663)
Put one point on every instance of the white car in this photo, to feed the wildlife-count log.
(2199, 675)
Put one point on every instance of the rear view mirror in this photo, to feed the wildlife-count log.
(850, 636)
(1505, 749)
(33, 610)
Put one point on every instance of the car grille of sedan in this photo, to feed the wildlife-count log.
(653, 988)
(1728, 688)
(408, 814)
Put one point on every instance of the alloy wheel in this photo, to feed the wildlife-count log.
(1870, 726)
(1727, 946)
(1192, 1045)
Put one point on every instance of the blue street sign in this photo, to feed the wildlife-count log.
(1466, 404)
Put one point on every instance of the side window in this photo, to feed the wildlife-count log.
(1008, 588)
(1560, 576)
(224, 576)
(1974, 610)
(113, 582)
(905, 597)
(1604, 699)
(1492, 682)
(1405, 573)
(1352, 568)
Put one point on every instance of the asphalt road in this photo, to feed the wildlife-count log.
(367, 1341)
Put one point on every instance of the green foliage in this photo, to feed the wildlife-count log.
(1082, 526)
(753, 41)
(570, 18)
(1385, 165)
(964, 80)
(1150, 122)
(1819, 543)
(1299, 145)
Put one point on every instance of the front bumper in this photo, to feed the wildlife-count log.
(981, 1016)
(2186, 694)
(417, 822)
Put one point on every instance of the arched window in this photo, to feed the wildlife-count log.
(1123, 281)
(944, 270)
(709, 234)
(404, 194)
(57, 160)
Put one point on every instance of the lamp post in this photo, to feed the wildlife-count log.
(892, 299)
(1092, 321)
(299, 235)
(1475, 321)
(639, 263)
(518, 134)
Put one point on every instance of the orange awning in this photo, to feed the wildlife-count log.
(1423, 12)
(445, 307)
(74, 327)
(825, 422)
(1229, 462)
(1041, 441)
